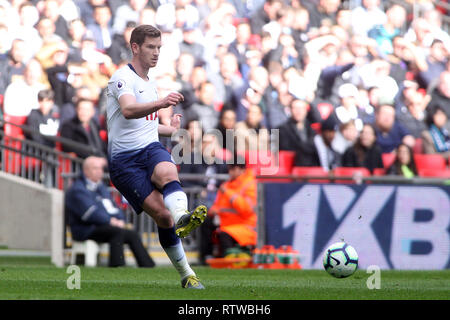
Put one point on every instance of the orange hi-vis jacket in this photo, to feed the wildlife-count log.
(236, 208)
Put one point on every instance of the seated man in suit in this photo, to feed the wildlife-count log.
(93, 215)
(296, 134)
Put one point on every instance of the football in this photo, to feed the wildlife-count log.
(340, 260)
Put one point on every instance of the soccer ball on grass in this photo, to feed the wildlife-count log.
(340, 260)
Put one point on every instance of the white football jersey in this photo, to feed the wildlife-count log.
(130, 134)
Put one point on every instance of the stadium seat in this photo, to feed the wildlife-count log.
(90, 249)
(388, 159)
(13, 160)
(286, 160)
(10, 129)
(350, 172)
(259, 159)
(306, 172)
(418, 146)
(379, 172)
(429, 161)
(435, 173)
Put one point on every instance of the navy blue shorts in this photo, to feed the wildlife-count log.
(131, 172)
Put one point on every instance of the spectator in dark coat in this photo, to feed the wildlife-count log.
(441, 95)
(211, 161)
(101, 28)
(325, 11)
(365, 152)
(120, 49)
(68, 110)
(92, 215)
(239, 47)
(436, 138)
(264, 15)
(227, 121)
(329, 157)
(390, 133)
(413, 116)
(435, 64)
(204, 109)
(297, 135)
(190, 44)
(65, 80)
(43, 121)
(84, 130)
(12, 64)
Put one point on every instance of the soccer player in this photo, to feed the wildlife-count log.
(140, 167)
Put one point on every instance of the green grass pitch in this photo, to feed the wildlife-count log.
(36, 278)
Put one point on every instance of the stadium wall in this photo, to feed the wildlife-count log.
(31, 216)
(391, 226)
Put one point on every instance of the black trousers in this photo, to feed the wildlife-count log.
(117, 237)
(205, 243)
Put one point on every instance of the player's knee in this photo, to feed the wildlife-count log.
(164, 174)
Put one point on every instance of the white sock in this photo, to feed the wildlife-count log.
(177, 204)
(179, 261)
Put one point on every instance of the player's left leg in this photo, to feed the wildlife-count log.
(165, 176)
(154, 206)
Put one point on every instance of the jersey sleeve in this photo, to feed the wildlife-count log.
(121, 84)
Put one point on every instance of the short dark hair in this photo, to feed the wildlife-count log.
(139, 34)
(237, 160)
(436, 41)
(46, 94)
(101, 6)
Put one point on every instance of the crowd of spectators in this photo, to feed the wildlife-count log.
(318, 70)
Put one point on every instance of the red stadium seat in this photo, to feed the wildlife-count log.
(429, 161)
(418, 146)
(65, 166)
(259, 159)
(379, 172)
(350, 172)
(11, 129)
(388, 159)
(286, 160)
(306, 172)
(12, 159)
(435, 173)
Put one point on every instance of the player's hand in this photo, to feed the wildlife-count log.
(175, 121)
(172, 99)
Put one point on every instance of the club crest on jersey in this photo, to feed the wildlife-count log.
(120, 84)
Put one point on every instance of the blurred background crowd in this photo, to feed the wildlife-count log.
(336, 77)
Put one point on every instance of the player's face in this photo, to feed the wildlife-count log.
(148, 52)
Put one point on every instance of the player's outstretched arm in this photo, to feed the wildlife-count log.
(135, 110)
